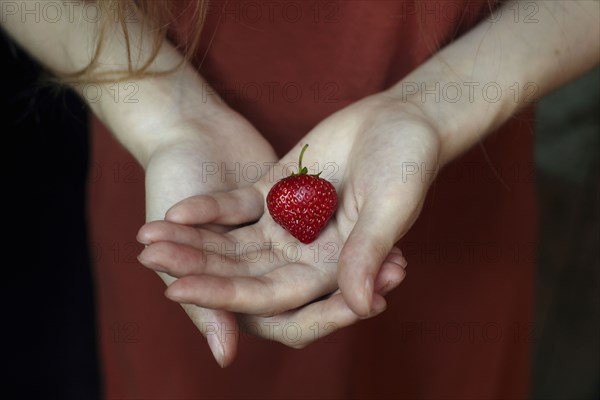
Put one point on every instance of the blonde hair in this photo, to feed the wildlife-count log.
(157, 16)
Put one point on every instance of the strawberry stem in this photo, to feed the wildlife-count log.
(302, 170)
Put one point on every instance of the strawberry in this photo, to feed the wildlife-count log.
(302, 204)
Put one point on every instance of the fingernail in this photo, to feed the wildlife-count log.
(173, 295)
(389, 286)
(404, 263)
(379, 305)
(377, 308)
(216, 347)
(377, 311)
(368, 292)
(172, 215)
(142, 241)
(149, 264)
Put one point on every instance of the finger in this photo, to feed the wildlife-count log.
(160, 231)
(216, 325)
(230, 208)
(235, 241)
(180, 260)
(278, 291)
(220, 329)
(301, 327)
(378, 227)
(391, 273)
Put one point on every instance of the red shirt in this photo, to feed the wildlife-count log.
(459, 326)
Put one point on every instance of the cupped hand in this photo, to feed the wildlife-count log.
(381, 156)
(195, 162)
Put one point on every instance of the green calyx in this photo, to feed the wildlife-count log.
(303, 170)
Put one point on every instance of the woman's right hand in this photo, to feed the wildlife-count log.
(175, 127)
(189, 142)
(195, 164)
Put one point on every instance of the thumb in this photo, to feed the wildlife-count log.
(238, 206)
(378, 228)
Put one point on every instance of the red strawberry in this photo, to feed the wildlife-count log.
(302, 204)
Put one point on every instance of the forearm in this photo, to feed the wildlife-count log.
(473, 85)
(143, 122)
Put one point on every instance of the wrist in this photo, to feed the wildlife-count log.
(477, 82)
(468, 89)
(157, 111)
(462, 110)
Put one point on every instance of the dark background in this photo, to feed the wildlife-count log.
(51, 347)
(50, 333)
(567, 317)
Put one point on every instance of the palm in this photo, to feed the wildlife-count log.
(261, 269)
(405, 150)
